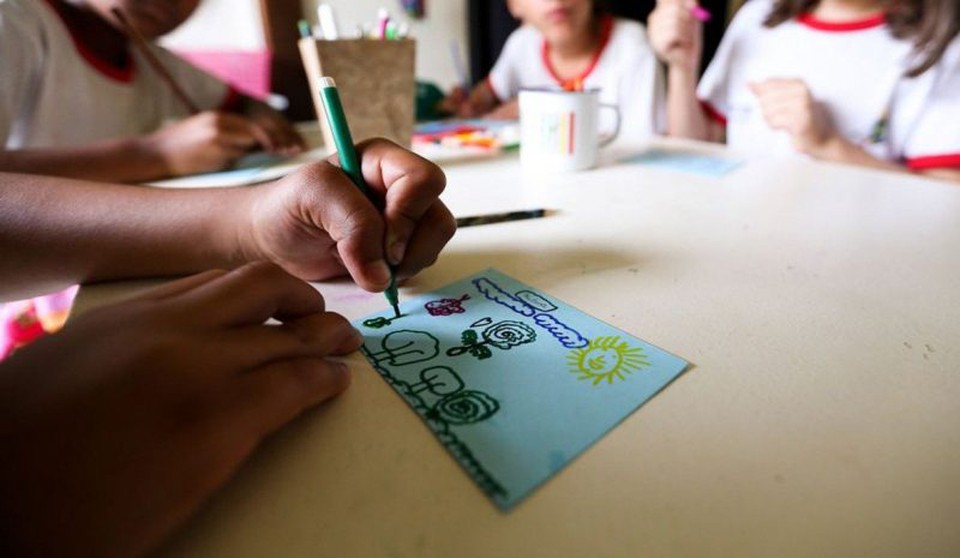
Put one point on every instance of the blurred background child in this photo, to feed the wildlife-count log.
(867, 82)
(574, 45)
(78, 98)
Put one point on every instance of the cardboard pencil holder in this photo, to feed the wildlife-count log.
(376, 82)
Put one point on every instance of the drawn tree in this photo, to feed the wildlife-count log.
(406, 346)
(438, 380)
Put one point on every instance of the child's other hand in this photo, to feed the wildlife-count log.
(206, 142)
(283, 138)
(507, 111)
(787, 104)
(457, 103)
(116, 429)
(675, 34)
(317, 224)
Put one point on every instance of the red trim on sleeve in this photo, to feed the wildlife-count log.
(947, 161)
(713, 113)
(576, 83)
(232, 101)
(814, 22)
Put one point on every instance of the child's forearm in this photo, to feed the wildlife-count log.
(685, 115)
(842, 150)
(54, 232)
(128, 160)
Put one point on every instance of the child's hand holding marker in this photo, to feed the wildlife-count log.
(317, 224)
(676, 28)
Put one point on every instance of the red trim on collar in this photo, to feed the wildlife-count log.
(948, 161)
(813, 22)
(123, 74)
(576, 84)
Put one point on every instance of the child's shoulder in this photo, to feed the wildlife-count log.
(24, 22)
(19, 11)
(27, 11)
(628, 28)
(629, 38)
(752, 12)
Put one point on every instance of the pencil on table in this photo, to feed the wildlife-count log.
(152, 59)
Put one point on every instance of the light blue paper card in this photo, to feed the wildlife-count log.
(696, 163)
(512, 381)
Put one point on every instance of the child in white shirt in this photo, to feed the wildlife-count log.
(864, 82)
(574, 45)
(78, 99)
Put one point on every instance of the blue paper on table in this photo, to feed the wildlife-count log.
(513, 382)
(696, 163)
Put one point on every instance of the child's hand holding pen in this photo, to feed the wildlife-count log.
(206, 142)
(317, 224)
(213, 140)
(282, 136)
(675, 28)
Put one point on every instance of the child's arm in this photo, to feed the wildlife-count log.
(314, 223)
(477, 102)
(116, 429)
(676, 37)
(206, 142)
(788, 105)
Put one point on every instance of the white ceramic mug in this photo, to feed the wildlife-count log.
(559, 130)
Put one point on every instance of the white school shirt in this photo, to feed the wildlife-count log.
(625, 71)
(55, 93)
(855, 69)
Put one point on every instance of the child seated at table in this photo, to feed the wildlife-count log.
(574, 45)
(115, 430)
(78, 98)
(866, 82)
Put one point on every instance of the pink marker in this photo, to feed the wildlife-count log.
(383, 20)
(700, 13)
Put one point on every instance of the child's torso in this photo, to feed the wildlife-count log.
(854, 71)
(74, 98)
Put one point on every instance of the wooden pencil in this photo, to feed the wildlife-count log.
(141, 42)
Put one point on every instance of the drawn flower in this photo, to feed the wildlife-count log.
(465, 407)
(446, 306)
(507, 334)
(606, 358)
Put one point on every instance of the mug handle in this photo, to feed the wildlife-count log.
(605, 141)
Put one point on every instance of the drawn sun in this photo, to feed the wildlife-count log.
(606, 358)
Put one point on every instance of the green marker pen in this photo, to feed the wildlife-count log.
(349, 161)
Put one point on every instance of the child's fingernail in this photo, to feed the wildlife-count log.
(395, 252)
(354, 340)
(341, 369)
(379, 273)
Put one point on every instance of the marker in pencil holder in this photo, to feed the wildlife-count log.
(376, 81)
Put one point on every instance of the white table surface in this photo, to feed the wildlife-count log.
(819, 305)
